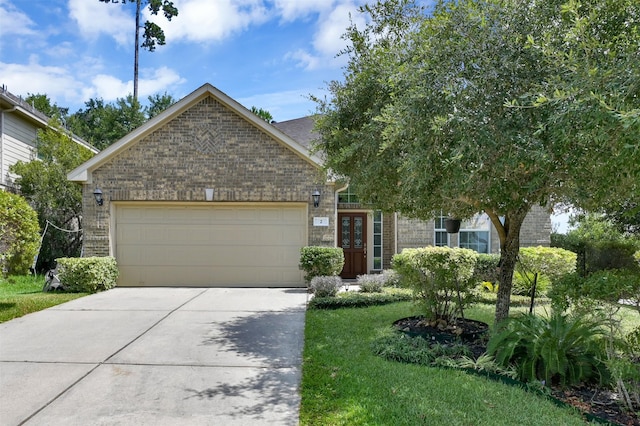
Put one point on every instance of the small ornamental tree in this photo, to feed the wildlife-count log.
(43, 182)
(19, 234)
(441, 278)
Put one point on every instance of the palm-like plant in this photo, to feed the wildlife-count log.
(561, 349)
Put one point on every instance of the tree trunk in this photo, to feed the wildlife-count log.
(509, 233)
(136, 52)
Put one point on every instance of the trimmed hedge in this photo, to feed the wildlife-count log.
(318, 261)
(358, 300)
(87, 274)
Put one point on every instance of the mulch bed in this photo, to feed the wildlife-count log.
(599, 402)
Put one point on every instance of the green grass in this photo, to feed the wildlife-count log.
(343, 383)
(21, 295)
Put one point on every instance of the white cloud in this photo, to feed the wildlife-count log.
(327, 40)
(290, 10)
(158, 80)
(57, 82)
(112, 19)
(14, 21)
(150, 82)
(206, 20)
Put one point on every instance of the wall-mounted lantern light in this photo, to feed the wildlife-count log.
(316, 198)
(98, 195)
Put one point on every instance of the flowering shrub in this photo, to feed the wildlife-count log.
(371, 283)
(325, 286)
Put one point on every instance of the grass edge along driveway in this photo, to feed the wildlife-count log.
(21, 295)
(344, 383)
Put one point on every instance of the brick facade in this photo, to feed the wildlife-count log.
(206, 146)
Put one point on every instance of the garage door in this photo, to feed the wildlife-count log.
(222, 245)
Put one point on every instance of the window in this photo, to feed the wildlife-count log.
(474, 234)
(377, 240)
(440, 235)
(347, 196)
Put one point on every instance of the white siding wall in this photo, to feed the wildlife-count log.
(18, 144)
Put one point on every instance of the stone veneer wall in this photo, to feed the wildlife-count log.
(207, 146)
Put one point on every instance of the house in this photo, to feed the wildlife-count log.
(19, 124)
(209, 194)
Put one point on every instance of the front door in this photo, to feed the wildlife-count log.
(352, 235)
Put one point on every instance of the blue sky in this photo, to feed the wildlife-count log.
(266, 53)
(271, 54)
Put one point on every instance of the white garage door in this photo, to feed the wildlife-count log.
(222, 245)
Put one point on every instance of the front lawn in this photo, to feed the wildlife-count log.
(21, 295)
(344, 383)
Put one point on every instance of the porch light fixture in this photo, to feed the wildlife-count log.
(98, 195)
(316, 198)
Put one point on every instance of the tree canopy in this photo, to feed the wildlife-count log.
(44, 184)
(485, 106)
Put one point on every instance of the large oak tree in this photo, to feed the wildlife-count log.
(488, 106)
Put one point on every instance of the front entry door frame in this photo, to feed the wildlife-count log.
(352, 238)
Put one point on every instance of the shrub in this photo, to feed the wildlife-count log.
(523, 284)
(607, 286)
(19, 234)
(441, 279)
(87, 274)
(325, 286)
(371, 283)
(551, 262)
(390, 278)
(557, 350)
(321, 261)
(486, 268)
(358, 300)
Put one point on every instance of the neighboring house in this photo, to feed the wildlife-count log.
(209, 194)
(19, 124)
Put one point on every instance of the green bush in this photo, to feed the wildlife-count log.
(441, 278)
(598, 244)
(325, 286)
(19, 234)
(486, 268)
(390, 278)
(523, 284)
(358, 300)
(321, 261)
(87, 274)
(560, 350)
(551, 262)
(607, 286)
(370, 283)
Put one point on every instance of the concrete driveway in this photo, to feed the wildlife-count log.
(156, 356)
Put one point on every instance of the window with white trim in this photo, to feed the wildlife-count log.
(474, 234)
(440, 234)
(377, 240)
(347, 196)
